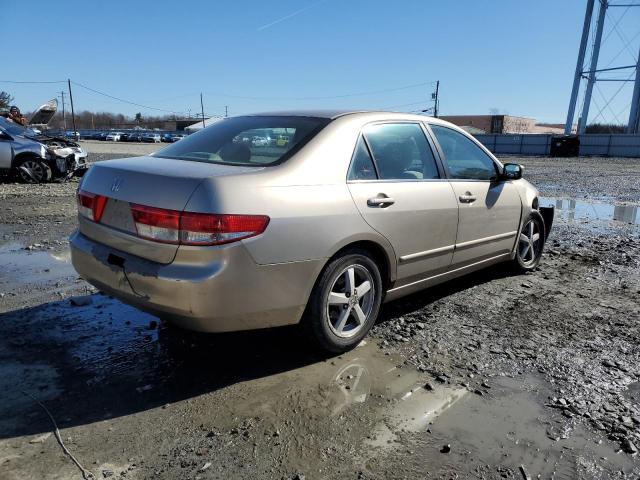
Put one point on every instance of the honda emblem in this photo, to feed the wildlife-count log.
(117, 183)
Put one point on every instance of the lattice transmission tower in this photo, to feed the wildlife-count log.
(589, 74)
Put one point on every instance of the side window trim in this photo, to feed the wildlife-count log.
(370, 152)
(353, 159)
(435, 150)
(442, 159)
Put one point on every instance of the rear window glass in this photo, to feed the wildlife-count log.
(247, 141)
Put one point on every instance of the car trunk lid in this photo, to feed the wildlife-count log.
(150, 181)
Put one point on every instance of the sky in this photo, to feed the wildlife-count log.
(512, 56)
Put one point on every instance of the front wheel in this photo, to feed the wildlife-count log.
(34, 170)
(345, 302)
(530, 243)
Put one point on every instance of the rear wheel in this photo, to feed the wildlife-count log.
(345, 302)
(34, 170)
(530, 243)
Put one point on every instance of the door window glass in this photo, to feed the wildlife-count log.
(464, 159)
(401, 151)
(362, 166)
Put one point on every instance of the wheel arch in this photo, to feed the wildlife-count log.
(383, 255)
(19, 157)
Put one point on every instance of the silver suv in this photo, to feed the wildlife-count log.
(37, 158)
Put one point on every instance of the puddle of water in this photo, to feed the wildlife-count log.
(508, 426)
(571, 209)
(511, 426)
(377, 384)
(25, 267)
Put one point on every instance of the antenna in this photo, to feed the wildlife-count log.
(202, 109)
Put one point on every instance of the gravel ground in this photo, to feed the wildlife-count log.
(491, 376)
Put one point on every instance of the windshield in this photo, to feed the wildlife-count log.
(248, 141)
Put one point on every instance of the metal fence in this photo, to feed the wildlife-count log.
(608, 145)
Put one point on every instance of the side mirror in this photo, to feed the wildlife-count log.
(512, 171)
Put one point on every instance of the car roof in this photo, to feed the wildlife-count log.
(320, 113)
(333, 114)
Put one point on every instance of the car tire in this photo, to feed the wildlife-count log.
(345, 302)
(79, 173)
(40, 171)
(530, 243)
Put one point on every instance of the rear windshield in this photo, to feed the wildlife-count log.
(248, 141)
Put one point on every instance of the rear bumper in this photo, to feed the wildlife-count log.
(226, 292)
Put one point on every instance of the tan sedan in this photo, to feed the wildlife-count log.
(218, 233)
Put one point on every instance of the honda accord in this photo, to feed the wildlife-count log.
(217, 233)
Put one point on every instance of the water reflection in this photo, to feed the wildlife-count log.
(405, 405)
(572, 209)
(24, 267)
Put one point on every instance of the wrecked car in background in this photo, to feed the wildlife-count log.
(36, 157)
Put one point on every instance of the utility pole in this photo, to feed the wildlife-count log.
(591, 78)
(435, 105)
(64, 118)
(226, 110)
(634, 112)
(73, 115)
(202, 109)
(592, 73)
(579, 66)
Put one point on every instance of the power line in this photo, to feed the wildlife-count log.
(126, 101)
(25, 81)
(246, 97)
(328, 97)
(389, 107)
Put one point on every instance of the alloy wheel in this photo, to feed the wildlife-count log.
(529, 243)
(350, 300)
(36, 169)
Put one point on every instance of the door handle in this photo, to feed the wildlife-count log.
(381, 201)
(467, 198)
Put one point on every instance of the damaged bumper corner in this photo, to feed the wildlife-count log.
(547, 214)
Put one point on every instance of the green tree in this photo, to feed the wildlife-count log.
(5, 100)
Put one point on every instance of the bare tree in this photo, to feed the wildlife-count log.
(5, 100)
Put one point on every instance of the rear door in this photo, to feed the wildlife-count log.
(400, 191)
(489, 210)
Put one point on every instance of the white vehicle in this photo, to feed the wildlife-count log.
(113, 137)
(260, 141)
(151, 138)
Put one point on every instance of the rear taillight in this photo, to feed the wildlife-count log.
(156, 224)
(216, 229)
(91, 205)
(188, 228)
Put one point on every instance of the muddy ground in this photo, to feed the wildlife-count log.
(492, 376)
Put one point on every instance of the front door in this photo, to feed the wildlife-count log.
(489, 210)
(400, 192)
(6, 152)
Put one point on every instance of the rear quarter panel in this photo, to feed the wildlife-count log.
(307, 222)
